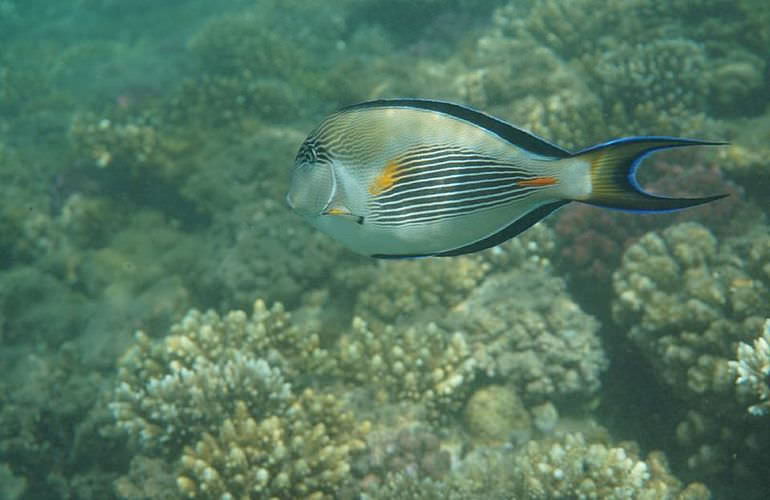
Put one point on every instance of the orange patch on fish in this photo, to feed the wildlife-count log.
(539, 181)
(387, 178)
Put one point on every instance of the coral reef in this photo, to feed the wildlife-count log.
(574, 468)
(496, 415)
(147, 478)
(526, 331)
(569, 466)
(753, 371)
(253, 64)
(517, 327)
(405, 290)
(210, 362)
(516, 77)
(209, 389)
(686, 301)
(617, 69)
(134, 142)
(143, 170)
(49, 404)
(652, 88)
(420, 363)
(414, 450)
(301, 452)
(300, 260)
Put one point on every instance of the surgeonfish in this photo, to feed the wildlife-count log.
(400, 178)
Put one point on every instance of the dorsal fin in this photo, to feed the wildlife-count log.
(516, 136)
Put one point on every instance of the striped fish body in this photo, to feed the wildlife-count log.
(408, 178)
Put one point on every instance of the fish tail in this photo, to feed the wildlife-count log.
(613, 174)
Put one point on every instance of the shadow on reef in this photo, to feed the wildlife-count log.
(137, 188)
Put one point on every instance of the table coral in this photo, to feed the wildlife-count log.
(753, 371)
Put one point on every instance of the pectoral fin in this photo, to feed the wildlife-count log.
(339, 210)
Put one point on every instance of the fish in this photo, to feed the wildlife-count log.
(409, 178)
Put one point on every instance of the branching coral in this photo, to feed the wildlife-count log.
(406, 290)
(421, 363)
(575, 468)
(517, 327)
(657, 87)
(132, 142)
(209, 389)
(753, 371)
(301, 452)
(170, 392)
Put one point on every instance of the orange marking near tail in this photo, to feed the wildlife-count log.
(539, 181)
(387, 178)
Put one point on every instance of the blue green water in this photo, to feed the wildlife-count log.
(145, 153)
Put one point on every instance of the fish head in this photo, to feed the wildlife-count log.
(313, 185)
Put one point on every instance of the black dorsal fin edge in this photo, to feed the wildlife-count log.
(509, 133)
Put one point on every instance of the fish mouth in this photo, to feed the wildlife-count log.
(288, 201)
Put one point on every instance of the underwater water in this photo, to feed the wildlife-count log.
(169, 328)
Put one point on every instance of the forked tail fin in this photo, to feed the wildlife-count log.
(613, 174)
